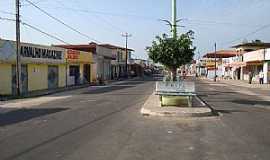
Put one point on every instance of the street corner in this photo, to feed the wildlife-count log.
(152, 107)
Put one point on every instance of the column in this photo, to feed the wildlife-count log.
(265, 71)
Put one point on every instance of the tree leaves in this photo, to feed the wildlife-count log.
(172, 52)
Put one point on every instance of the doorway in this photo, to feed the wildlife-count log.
(24, 79)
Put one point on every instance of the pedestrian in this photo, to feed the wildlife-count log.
(261, 76)
(249, 77)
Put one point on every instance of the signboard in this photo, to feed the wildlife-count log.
(254, 56)
(31, 53)
(73, 54)
(37, 52)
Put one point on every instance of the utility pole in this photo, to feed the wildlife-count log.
(126, 35)
(174, 17)
(18, 48)
(215, 79)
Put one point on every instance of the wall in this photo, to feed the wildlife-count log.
(254, 56)
(62, 75)
(5, 79)
(37, 77)
(94, 72)
(267, 54)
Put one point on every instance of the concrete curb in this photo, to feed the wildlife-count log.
(187, 113)
(152, 108)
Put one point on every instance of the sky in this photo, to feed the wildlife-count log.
(225, 22)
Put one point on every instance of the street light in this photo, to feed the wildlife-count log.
(171, 25)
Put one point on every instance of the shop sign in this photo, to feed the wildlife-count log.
(254, 56)
(267, 54)
(35, 52)
(73, 54)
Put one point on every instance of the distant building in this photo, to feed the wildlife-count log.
(119, 60)
(102, 57)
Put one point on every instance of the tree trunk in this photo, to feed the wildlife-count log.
(173, 74)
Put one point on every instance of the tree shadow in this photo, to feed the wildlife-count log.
(20, 115)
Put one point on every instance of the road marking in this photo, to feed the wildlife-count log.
(90, 100)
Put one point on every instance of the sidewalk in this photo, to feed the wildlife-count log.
(245, 84)
(241, 83)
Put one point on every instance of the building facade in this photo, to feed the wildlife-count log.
(43, 67)
(102, 57)
(80, 68)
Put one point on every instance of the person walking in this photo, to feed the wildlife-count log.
(249, 77)
(261, 76)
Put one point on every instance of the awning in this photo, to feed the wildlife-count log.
(221, 54)
(254, 63)
(238, 64)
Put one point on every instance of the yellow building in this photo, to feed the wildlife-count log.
(80, 68)
(43, 67)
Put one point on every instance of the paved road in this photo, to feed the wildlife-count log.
(104, 123)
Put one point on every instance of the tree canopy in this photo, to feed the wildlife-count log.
(172, 52)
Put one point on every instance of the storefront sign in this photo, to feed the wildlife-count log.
(31, 53)
(73, 54)
(254, 56)
(35, 52)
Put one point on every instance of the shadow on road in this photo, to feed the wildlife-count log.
(251, 102)
(229, 111)
(21, 115)
(106, 89)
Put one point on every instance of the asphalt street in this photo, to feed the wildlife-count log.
(104, 123)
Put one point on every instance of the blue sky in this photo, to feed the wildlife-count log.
(226, 22)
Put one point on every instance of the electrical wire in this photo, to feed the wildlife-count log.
(36, 29)
(60, 21)
(249, 34)
(6, 12)
(43, 32)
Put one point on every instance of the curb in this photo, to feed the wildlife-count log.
(148, 112)
(152, 108)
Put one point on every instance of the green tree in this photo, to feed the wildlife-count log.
(172, 52)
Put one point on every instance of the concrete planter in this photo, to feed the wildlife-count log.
(177, 101)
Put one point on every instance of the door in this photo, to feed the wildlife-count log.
(53, 77)
(74, 71)
(24, 79)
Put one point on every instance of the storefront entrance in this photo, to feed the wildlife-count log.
(86, 73)
(24, 79)
(74, 71)
(53, 77)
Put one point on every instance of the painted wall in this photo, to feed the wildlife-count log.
(37, 77)
(254, 56)
(5, 79)
(62, 75)
(94, 72)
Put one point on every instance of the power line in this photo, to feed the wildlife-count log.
(39, 30)
(250, 33)
(36, 2)
(7, 19)
(63, 23)
(36, 29)
(6, 12)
